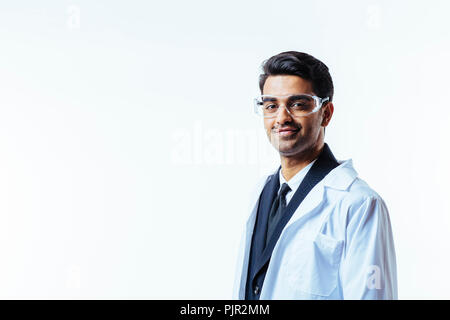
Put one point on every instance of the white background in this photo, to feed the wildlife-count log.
(129, 147)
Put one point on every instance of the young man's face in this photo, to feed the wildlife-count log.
(307, 129)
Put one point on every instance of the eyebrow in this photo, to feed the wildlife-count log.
(293, 97)
(269, 99)
(298, 96)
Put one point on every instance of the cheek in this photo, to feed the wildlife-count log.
(308, 124)
(268, 125)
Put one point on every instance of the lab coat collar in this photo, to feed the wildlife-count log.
(342, 176)
(339, 178)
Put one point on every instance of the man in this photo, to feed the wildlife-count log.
(316, 231)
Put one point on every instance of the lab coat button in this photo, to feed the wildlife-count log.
(256, 290)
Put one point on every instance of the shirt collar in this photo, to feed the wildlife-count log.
(295, 181)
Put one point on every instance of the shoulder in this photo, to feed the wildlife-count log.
(361, 201)
(359, 192)
(351, 189)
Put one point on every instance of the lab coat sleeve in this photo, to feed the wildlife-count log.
(368, 267)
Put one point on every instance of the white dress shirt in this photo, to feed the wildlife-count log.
(295, 181)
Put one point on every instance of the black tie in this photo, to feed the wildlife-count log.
(276, 212)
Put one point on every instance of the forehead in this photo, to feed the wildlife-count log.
(286, 85)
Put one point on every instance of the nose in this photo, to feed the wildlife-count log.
(283, 115)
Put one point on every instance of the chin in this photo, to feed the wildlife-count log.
(293, 149)
(289, 151)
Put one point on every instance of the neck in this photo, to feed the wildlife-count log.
(291, 165)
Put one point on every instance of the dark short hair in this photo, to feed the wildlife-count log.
(302, 65)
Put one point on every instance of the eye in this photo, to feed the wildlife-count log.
(299, 105)
(269, 106)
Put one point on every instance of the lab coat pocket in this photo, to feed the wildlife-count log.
(313, 264)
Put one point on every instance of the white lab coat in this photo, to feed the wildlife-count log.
(338, 244)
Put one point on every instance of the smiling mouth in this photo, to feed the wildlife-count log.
(287, 133)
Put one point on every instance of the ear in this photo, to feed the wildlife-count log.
(327, 113)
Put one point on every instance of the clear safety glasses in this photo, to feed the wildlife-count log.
(297, 105)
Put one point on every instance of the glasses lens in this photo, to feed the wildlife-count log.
(298, 105)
